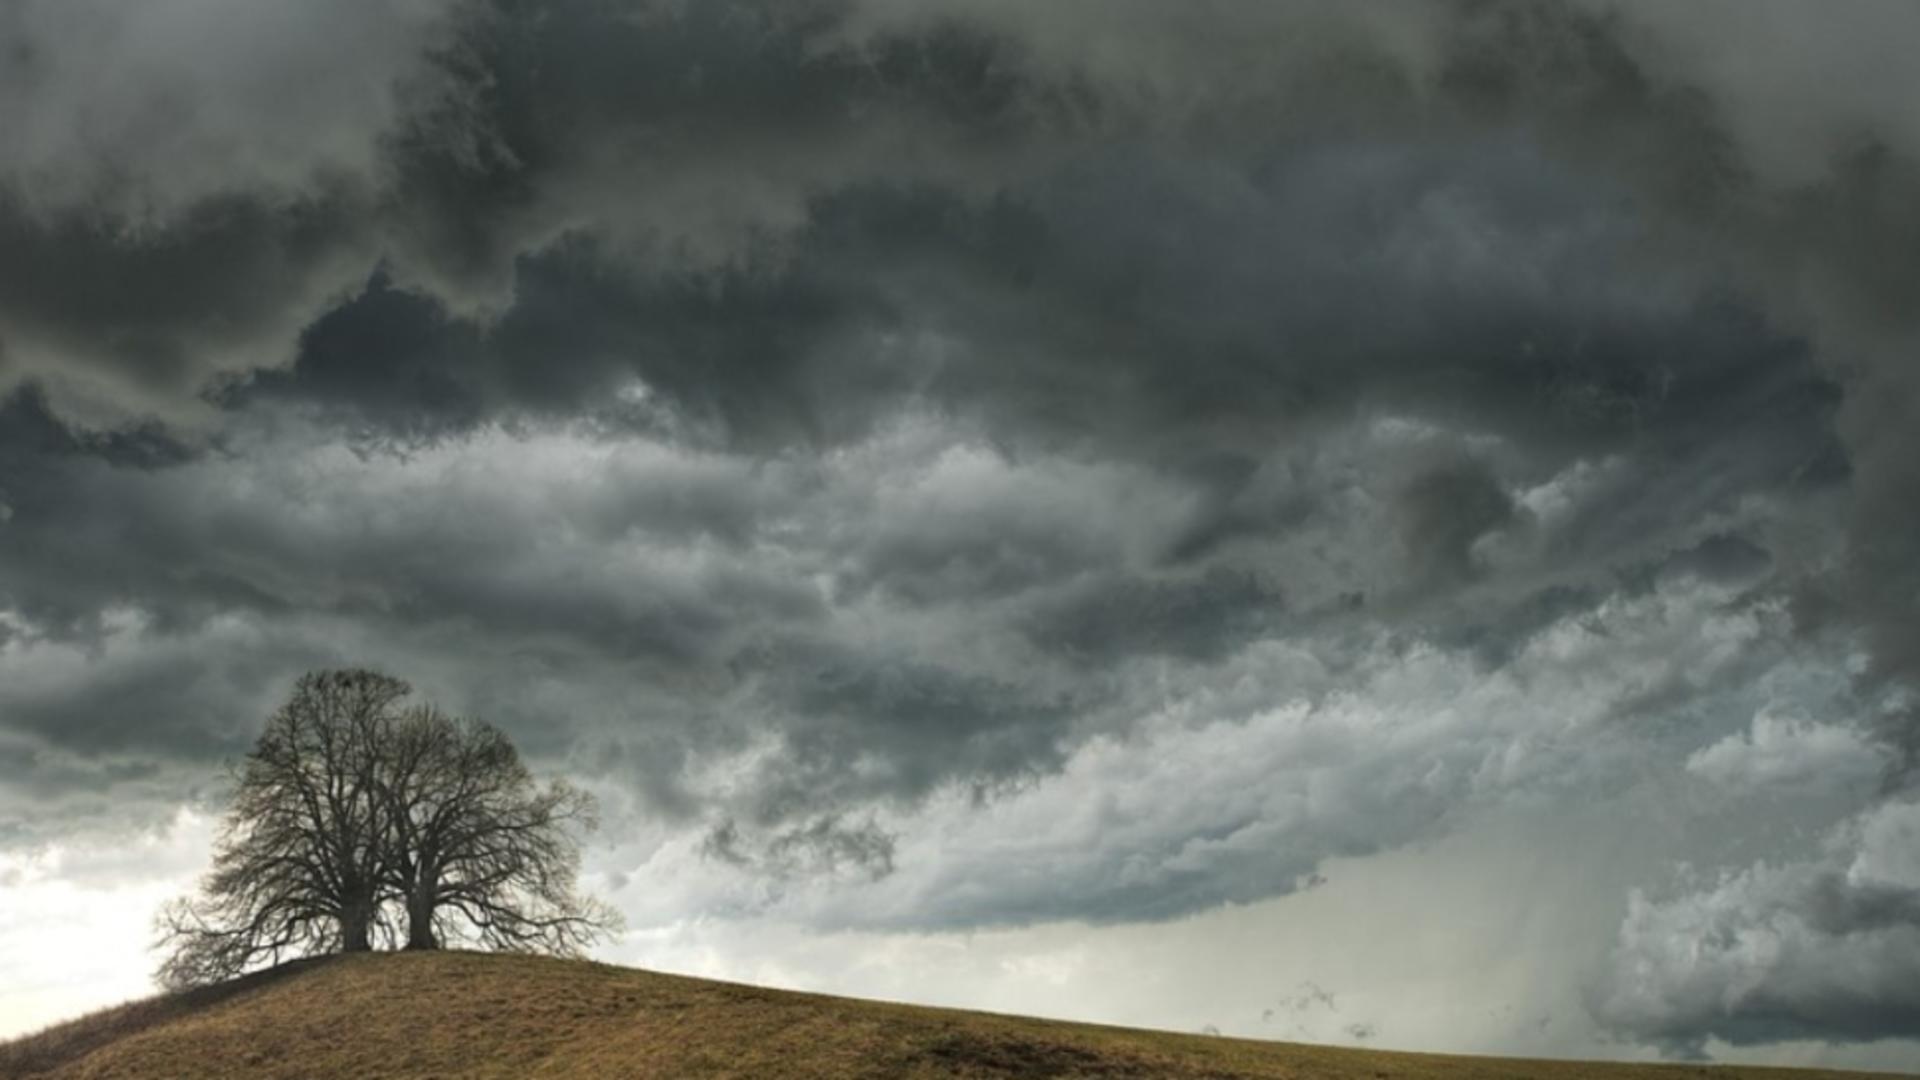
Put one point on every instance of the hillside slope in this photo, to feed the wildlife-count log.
(420, 1015)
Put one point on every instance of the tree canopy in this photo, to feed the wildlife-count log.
(356, 822)
(481, 850)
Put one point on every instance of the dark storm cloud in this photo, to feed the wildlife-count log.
(1229, 287)
(499, 130)
(724, 355)
(1723, 557)
(396, 357)
(824, 846)
(172, 210)
(126, 323)
(799, 412)
(116, 736)
(1443, 512)
(32, 436)
(1239, 325)
(1183, 310)
(535, 108)
(1103, 621)
(85, 536)
(860, 724)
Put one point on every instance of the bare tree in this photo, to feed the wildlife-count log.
(350, 813)
(304, 851)
(480, 850)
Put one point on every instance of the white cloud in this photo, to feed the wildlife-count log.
(1254, 772)
(1820, 948)
(1786, 750)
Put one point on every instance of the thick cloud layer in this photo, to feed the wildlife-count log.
(970, 463)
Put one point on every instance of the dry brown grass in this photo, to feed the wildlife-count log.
(441, 1015)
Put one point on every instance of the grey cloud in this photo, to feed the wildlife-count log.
(1444, 511)
(1722, 557)
(726, 354)
(184, 186)
(1116, 301)
(535, 114)
(1259, 341)
(122, 325)
(1782, 752)
(241, 532)
(1278, 761)
(1203, 618)
(821, 847)
(1770, 68)
(1820, 949)
(561, 107)
(117, 734)
(1495, 635)
(473, 136)
(858, 723)
(30, 435)
(144, 113)
(431, 556)
(731, 117)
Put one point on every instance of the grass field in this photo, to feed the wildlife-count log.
(444, 1015)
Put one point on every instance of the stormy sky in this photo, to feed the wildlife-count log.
(1389, 523)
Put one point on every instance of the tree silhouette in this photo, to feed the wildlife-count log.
(302, 853)
(350, 815)
(482, 851)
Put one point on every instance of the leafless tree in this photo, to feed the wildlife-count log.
(351, 814)
(481, 851)
(305, 848)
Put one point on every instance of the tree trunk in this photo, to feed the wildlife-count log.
(355, 928)
(420, 907)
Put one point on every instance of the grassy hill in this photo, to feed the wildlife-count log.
(421, 1015)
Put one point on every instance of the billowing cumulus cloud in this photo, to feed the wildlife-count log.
(1784, 751)
(1824, 948)
(967, 464)
(1240, 791)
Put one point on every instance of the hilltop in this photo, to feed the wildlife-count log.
(411, 1016)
